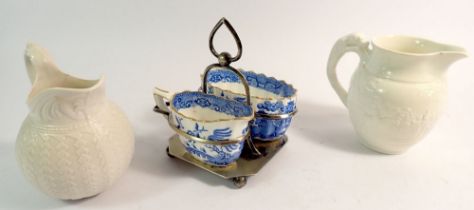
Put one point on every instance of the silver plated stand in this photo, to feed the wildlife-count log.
(237, 171)
(255, 154)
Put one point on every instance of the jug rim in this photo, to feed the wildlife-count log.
(434, 47)
(95, 83)
(39, 63)
(175, 110)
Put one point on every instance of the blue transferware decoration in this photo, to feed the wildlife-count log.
(188, 99)
(221, 134)
(218, 155)
(207, 117)
(269, 97)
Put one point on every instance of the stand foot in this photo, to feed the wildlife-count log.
(168, 152)
(244, 167)
(240, 181)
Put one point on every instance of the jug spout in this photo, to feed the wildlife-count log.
(36, 57)
(449, 55)
(411, 59)
(45, 76)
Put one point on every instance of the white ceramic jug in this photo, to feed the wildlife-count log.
(74, 143)
(398, 89)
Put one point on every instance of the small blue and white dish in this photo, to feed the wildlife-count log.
(210, 119)
(274, 101)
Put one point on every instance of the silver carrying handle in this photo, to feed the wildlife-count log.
(239, 74)
(225, 59)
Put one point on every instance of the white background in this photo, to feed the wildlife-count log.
(140, 44)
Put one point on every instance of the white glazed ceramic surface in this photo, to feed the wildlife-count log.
(74, 143)
(398, 90)
(207, 117)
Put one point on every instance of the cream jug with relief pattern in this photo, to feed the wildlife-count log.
(75, 142)
(398, 90)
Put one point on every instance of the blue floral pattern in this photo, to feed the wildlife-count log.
(261, 81)
(197, 131)
(219, 134)
(211, 130)
(179, 123)
(224, 154)
(269, 129)
(219, 155)
(261, 128)
(278, 106)
(186, 100)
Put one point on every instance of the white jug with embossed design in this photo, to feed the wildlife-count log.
(398, 90)
(75, 142)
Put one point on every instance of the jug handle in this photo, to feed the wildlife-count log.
(349, 43)
(160, 97)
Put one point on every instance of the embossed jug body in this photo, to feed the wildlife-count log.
(398, 90)
(74, 143)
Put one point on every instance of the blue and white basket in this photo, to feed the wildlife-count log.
(211, 128)
(274, 101)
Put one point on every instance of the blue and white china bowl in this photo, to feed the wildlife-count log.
(207, 117)
(268, 96)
